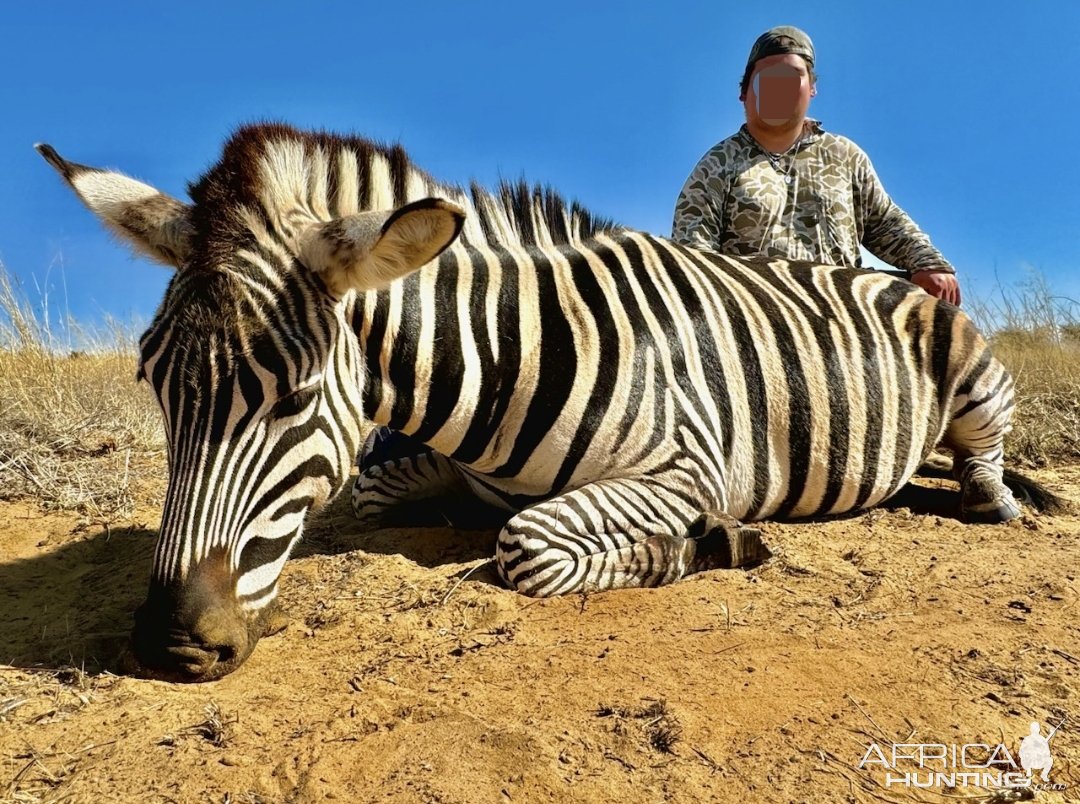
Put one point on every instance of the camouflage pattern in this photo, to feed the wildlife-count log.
(782, 39)
(739, 201)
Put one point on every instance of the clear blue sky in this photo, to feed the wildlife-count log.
(969, 111)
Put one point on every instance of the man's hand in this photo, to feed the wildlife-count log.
(942, 284)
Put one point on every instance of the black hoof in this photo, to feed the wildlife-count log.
(722, 542)
(991, 513)
(384, 445)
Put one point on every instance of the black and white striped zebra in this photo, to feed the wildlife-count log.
(626, 400)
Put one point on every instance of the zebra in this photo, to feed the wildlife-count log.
(627, 402)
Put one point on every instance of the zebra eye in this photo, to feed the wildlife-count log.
(294, 403)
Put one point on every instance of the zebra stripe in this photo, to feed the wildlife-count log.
(760, 390)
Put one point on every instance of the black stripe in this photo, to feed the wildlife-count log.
(259, 552)
(497, 386)
(592, 295)
(641, 341)
(399, 174)
(710, 353)
(757, 398)
(941, 350)
(373, 388)
(555, 380)
(402, 365)
(657, 308)
(798, 418)
(860, 331)
(885, 306)
(967, 384)
(365, 153)
(448, 362)
(333, 181)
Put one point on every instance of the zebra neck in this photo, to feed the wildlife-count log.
(449, 349)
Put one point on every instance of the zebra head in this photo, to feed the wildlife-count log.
(259, 377)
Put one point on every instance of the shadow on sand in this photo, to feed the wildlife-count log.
(72, 606)
(943, 502)
(429, 535)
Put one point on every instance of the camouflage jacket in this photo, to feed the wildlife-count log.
(817, 203)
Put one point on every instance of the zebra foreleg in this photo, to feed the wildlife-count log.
(404, 483)
(406, 491)
(615, 534)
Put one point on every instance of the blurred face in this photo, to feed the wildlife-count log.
(779, 93)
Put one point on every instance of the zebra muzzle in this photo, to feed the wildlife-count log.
(202, 652)
(195, 631)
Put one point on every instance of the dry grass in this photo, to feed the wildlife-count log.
(35, 699)
(1036, 334)
(76, 433)
(1047, 422)
(49, 695)
(216, 729)
(659, 727)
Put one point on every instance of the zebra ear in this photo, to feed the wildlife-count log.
(372, 249)
(157, 225)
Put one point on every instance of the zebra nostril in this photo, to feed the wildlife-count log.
(210, 647)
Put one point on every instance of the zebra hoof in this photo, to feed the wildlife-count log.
(383, 446)
(369, 515)
(991, 513)
(722, 542)
(985, 500)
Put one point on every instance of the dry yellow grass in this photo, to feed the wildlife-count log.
(1046, 426)
(76, 433)
(1036, 334)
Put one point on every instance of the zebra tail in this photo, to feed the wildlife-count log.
(1036, 494)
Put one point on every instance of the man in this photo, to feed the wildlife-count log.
(783, 187)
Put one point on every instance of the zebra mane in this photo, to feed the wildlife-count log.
(538, 215)
(515, 214)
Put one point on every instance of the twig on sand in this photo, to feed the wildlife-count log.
(1066, 656)
(620, 760)
(881, 731)
(710, 763)
(461, 580)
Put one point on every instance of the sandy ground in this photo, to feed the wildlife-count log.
(397, 680)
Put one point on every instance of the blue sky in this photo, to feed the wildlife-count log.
(969, 111)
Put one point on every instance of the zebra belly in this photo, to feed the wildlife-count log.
(831, 463)
(851, 490)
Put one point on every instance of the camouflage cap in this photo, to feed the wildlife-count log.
(782, 39)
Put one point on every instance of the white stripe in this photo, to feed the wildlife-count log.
(382, 192)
